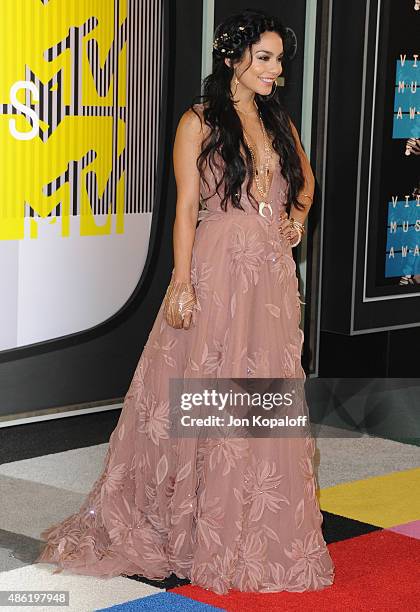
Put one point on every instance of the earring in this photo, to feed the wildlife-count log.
(236, 83)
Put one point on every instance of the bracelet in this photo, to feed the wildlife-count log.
(297, 225)
(305, 195)
(297, 242)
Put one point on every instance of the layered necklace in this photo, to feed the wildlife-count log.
(262, 184)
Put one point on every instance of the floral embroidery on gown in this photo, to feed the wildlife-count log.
(225, 513)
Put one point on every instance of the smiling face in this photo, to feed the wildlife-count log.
(266, 65)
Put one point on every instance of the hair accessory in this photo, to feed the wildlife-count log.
(221, 40)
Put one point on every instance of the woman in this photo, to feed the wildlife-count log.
(224, 512)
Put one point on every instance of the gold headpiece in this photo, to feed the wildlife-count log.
(220, 42)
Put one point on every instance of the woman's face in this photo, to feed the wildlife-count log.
(266, 66)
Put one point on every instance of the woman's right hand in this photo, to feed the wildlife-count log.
(179, 302)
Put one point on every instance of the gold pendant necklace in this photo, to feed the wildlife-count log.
(264, 192)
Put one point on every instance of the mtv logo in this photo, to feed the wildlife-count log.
(76, 207)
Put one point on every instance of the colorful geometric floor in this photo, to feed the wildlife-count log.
(369, 495)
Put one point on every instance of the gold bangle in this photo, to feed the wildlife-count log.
(297, 225)
(305, 195)
(298, 240)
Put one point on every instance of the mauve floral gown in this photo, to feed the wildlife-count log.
(226, 513)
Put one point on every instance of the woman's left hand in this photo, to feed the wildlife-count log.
(286, 228)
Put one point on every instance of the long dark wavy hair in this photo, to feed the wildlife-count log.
(226, 134)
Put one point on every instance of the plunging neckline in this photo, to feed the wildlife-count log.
(268, 198)
(258, 197)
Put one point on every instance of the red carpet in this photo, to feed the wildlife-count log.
(379, 571)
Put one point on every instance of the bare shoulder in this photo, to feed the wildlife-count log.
(192, 125)
(296, 134)
(187, 148)
(299, 147)
(293, 128)
(191, 122)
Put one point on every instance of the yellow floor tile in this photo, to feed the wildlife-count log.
(384, 501)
